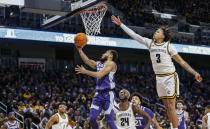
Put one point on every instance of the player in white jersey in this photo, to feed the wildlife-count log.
(126, 114)
(183, 116)
(161, 52)
(206, 118)
(12, 123)
(59, 120)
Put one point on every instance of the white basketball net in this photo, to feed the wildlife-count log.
(92, 19)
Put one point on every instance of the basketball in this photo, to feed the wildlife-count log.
(80, 39)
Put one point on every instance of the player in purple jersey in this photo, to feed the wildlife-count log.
(12, 123)
(140, 121)
(104, 98)
(182, 115)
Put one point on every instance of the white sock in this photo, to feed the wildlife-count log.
(171, 125)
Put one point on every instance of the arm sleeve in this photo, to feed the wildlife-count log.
(137, 37)
(150, 113)
(172, 50)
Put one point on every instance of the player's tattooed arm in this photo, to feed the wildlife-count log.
(53, 120)
(204, 122)
(142, 113)
(86, 60)
(187, 67)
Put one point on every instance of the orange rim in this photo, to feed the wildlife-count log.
(99, 10)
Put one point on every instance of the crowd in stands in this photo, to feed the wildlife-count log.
(194, 10)
(36, 93)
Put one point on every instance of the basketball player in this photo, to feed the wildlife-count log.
(59, 120)
(105, 80)
(141, 122)
(182, 115)
(206, 118)
(12, 123)
(126, 115)
(161, 52)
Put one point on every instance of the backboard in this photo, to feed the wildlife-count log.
(55, 11)
(58, 10)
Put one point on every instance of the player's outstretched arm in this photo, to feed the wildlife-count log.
(85, 59)
(53, 120)
(187, 67)
(142, 113)
(204, 122)
(130, 32)
(109, 66)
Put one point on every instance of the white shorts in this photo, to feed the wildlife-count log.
(167, 85)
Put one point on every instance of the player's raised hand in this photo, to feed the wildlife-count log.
(79, 48)
(198, 77)
(80, 69)
(116, 20)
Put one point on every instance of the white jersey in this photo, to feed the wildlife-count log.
(62, 124)
(208, 120)
(15, 125)
(126, 119)
(160, 54)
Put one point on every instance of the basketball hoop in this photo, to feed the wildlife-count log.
(92, 18)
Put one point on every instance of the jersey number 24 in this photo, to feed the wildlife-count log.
(124, 121)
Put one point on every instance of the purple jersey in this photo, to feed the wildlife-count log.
(107, 82)
(181, 121)
(140, 121)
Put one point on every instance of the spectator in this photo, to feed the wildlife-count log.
(36, 118)
(77, 126)
(21, 107)
(27, 95)
(38, 106)
(47, 112)
(28, 115)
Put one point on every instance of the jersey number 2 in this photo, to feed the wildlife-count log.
(158, 58)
